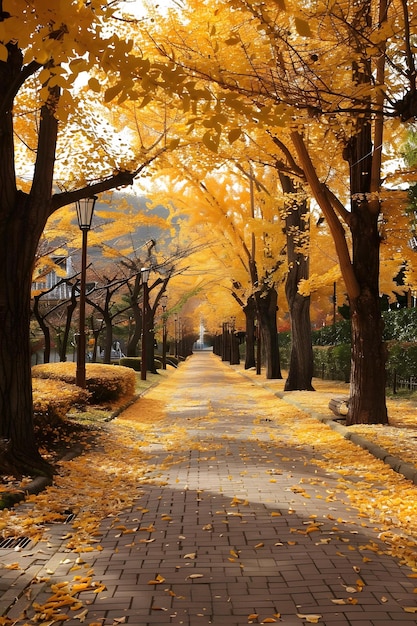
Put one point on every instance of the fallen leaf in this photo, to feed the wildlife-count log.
(81, 616)
(311, 619)
(253, 616)
(157, 581)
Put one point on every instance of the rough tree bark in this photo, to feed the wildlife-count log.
(300, 371)
(266, 304)
(250, 316)
(44, 327)
(367, 402)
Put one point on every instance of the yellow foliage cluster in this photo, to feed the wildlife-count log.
(105, 383)
(53, 399)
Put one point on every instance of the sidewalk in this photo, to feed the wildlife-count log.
(236, 524)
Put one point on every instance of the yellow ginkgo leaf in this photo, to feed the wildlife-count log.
(157, 580)
(311, 619)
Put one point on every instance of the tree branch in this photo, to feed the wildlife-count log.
(336, 228)
(119, 179)
(338, 206)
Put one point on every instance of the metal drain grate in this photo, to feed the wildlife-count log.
(14, 542)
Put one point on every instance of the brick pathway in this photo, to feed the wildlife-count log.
(235, 528)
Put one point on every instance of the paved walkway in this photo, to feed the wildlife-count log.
(238, 530)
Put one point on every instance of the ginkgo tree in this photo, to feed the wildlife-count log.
(46, 50)
(244, 225)
(333, 75)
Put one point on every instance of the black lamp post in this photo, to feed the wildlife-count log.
(176, 336)
(145, 271)
(85, 210)
(164, 300)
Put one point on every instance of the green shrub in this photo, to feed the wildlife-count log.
(333, 334)
(105, 383)
(134, 362)
(402, 358)
(400, 325)
(332, 362)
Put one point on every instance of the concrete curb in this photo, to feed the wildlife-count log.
(405, 469)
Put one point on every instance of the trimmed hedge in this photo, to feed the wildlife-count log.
(134, 362)
(333, 362)
(402, 358)
(105, 383)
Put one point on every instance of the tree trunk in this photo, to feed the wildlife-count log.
(234, 349)
(45, 329)
(250, 316)
(150, 346)
(70, 311)
(266, 303)
(367, 404)
(132, 345)
(225, 342)
(108, 341)
(368, 375)
(17, 251)
(300, 372)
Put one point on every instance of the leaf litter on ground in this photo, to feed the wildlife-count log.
(107, 477)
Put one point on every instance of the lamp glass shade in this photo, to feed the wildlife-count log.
(145, 271)
(85, 210)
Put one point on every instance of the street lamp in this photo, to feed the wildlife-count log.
(85, 210)
(145, 271)
(164, 300)
(175, 336)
